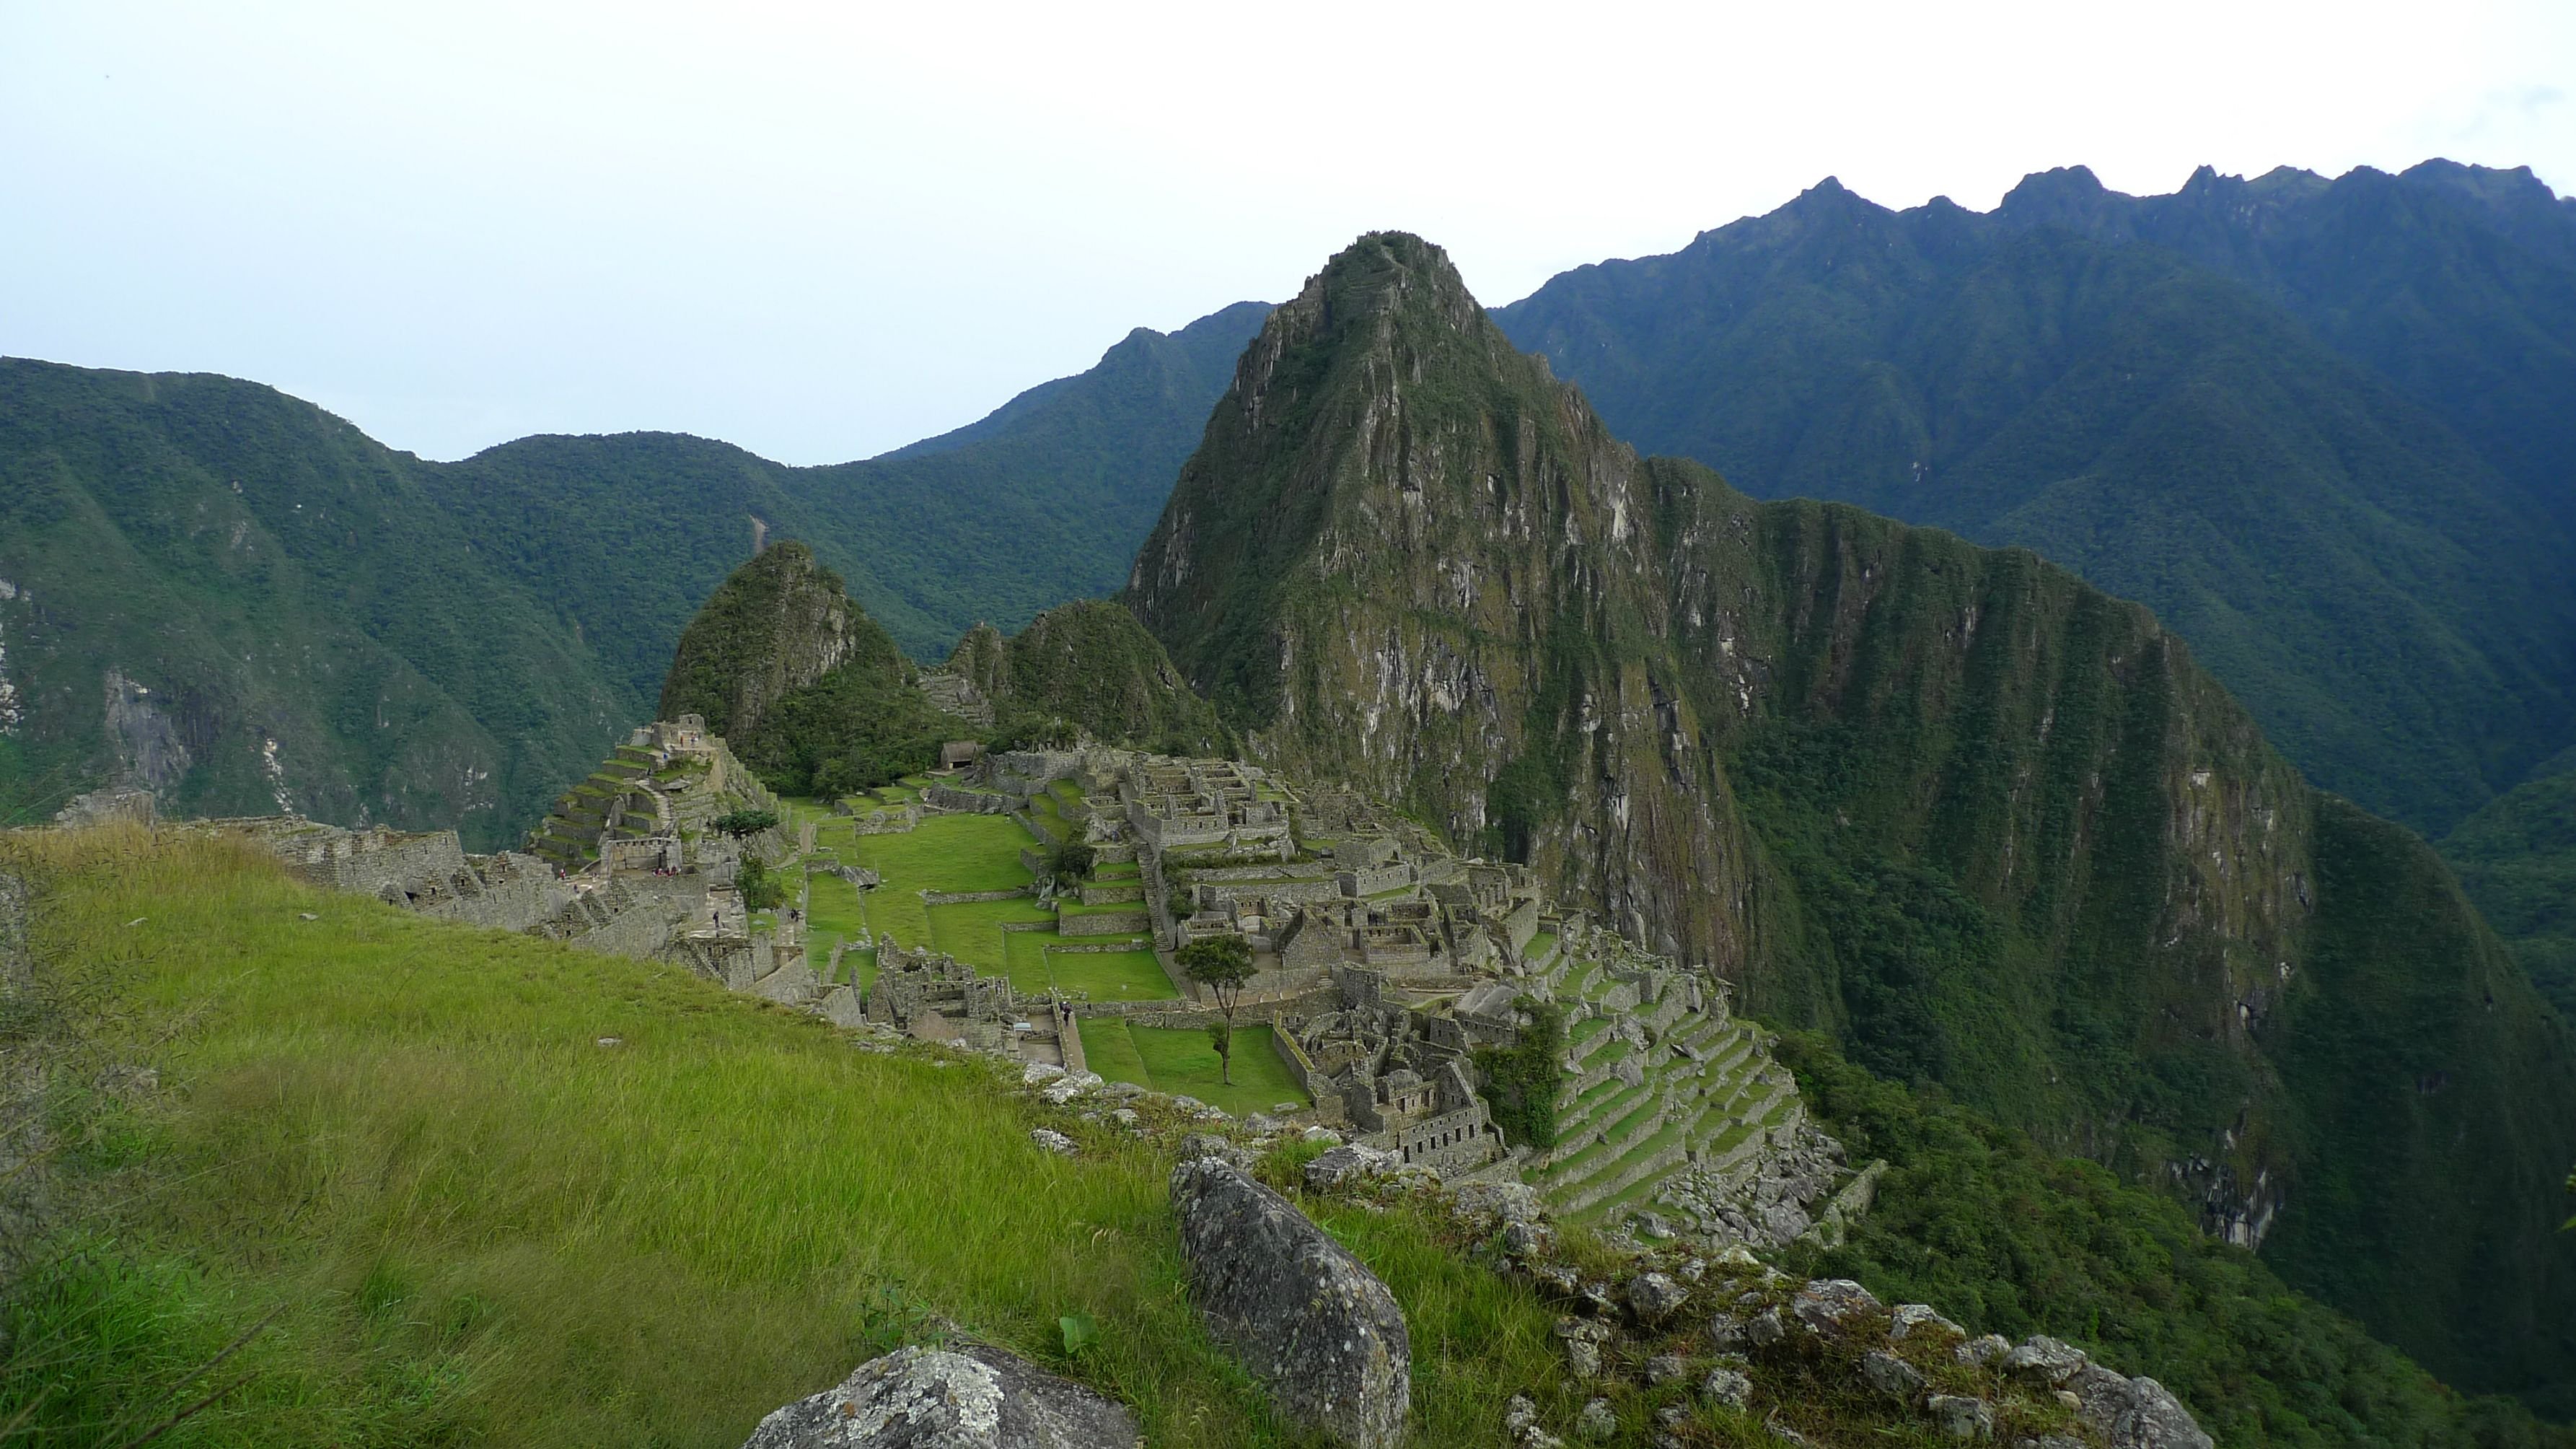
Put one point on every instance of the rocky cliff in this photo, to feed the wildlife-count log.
(1991, 825)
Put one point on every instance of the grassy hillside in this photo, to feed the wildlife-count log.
(477, 1224)
(2193, 401)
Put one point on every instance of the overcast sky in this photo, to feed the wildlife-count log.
(822, 231)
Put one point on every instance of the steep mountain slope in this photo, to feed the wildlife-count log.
(1990, 825)
(2183, 399)
(243, 602)
(192, 568)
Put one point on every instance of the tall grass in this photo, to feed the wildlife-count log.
(477, 1224)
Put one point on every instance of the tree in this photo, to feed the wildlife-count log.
(739, 823)
(1222, 964)
(762, 888)
(1070, 862)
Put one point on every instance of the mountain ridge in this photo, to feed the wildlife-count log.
(2040, 375)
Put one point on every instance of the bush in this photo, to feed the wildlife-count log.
(762, 889)
(1520, 1080)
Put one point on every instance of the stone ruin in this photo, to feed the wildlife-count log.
(1384, 962)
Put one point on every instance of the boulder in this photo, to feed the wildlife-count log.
(1597, 1422)
(1983, 1349)
(975, 1397)
(1831, 1305)
(1491, 1204)
(1961, 1417)
(1727, 1386)
(1208, 1144)
(2135, 1413)
(1911, 1318)
(1053, 1141)
(1663, 1368)
(1891, 1376)
(1348, 1164)
(1654, 1297)
(1308, 1319)
(2044, 1361)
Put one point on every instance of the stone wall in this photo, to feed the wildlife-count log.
(1105, 923)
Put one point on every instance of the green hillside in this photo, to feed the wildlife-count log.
(446, 644)
(1993, 828)
(245, 603)
(2318, 427)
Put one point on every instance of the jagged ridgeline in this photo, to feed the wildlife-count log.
(1989, 825)
(816, 698)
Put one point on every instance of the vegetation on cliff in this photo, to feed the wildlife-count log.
(1990, 826)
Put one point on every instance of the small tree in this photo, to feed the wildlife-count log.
(1070, 862)
(1222, 964)
(739, 823)
(762, 888)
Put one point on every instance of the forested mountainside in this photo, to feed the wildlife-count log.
(1039, 503)
(1090, 665)
(2326, 430)
(1991, 826)
(245, 603)
(232, 596)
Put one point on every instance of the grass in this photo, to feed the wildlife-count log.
(945, 853)
(1171, 1059)
(972, 931)
(482, 1224)
(1099, 975)
(833, 913)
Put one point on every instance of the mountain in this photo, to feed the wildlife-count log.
(1091, 665)
(2517, 859)
(1990, 826)
(242, 601)
(2323, 429)
(1041, 502)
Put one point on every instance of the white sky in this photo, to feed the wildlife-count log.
(822, 231)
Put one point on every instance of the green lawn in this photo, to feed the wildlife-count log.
(972, 931)
(951, 853)
(833, 912)
(947, 853)
(1123, 870)
(1100, 975)
(1169, 1059)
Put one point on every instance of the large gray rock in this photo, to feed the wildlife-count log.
(967, 1398)
(1307, 1318)
(2134, 1413)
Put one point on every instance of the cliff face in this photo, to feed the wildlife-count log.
(1991, 825)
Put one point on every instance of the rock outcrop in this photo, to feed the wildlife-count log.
(1308, 1319)
(975, 1397)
